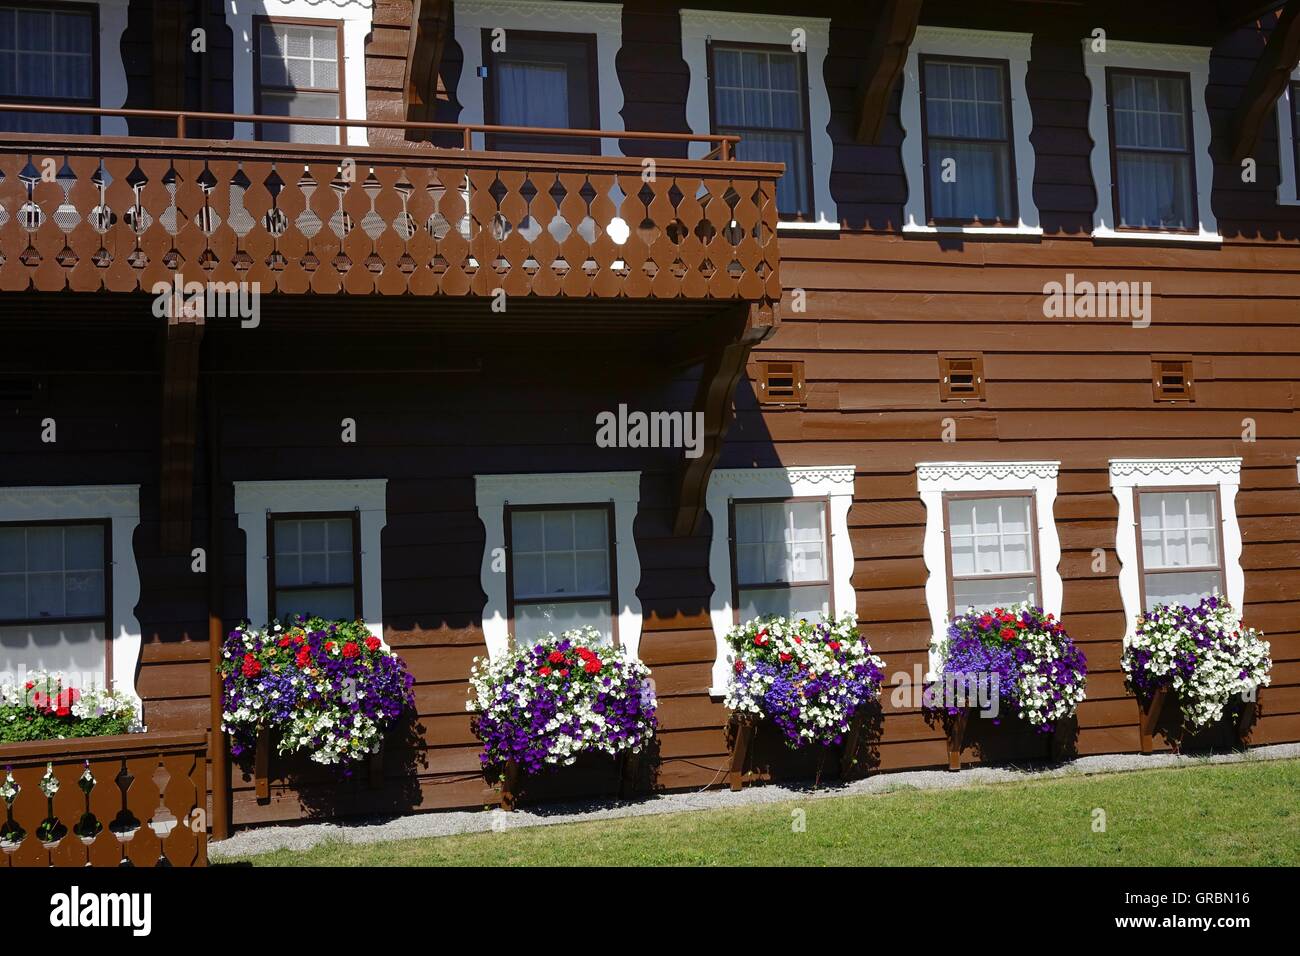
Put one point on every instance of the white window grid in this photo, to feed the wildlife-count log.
(745, 120)
(1163, 531)
(9, 45)
(973, 102)
(289, 551)
(575, 552)
(322, 52)
(794, 546)
(64, 571)
(1001, 534)
(1177, 112)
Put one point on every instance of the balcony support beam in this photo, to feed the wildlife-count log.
(430, 24)
(890, 39)
(1267, 81)
(735, 333)
(182, 338)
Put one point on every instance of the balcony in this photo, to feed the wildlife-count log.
(91, 214)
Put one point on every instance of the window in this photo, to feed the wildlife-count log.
(1180, 555)
(780, 545)
(48, 55)
(298, 73)
(1153, 176)
(990, 538)
(758, 94)
(1288, 136)
(314, 571)
(561, 571)
(1177, 538)
(991, 551)
(781, 559)
(54, 611)
(969, 159)
(546, 80)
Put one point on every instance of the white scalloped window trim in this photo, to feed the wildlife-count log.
(1129, 473)
(255, 500)
(984, 44)
(621, 488)
(834, 482)
(937, 478)
(120, 504)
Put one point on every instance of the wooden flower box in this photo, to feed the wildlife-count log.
(957, 725)
(1150, 712)
(513, 777)
(744, 728)
(262, 767)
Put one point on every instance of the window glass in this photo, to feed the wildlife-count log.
(315, 568)
(560, 553)
(782, 562)
(1154, 176)
(542, 80)
(1180, 530)
(293, 61)
(46, 56)
(968, 132)
(992, 552)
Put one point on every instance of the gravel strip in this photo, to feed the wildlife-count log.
(252, 842)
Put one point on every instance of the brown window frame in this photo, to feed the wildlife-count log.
(1186, 78)
(107, 617)
(828, 582)
(611, 542)
(271, 588)
(259, 20)
(951, 496)
(1221, 568)
(540, 143)
(924, 60)
(94, 100)
(810, 197)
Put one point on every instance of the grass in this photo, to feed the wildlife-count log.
(1238, 814)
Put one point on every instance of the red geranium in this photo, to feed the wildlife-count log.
(304, 656)
(834, 645)
(556, 657)
(372, 643)
(592, 666)
(350, 649)
(544, 671)
(1007, 634)
(285, 641)
(785, 658)
(251, 666)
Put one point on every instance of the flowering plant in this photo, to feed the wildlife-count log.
(1018, 656)
(1203, 653)
(561, 697)
(41, 707)
(328, 687)
(809, 679)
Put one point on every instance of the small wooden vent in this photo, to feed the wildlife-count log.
(961, 377)
(780, 383)
(1171, 379)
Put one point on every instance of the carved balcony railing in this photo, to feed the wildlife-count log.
(123, 214)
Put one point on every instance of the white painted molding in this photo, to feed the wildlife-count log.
(1129, 473)
(701, 26)
(1123, 54)
(120, 504)
(112, 66)
(254, 500)
(1287, 194)
(357, 18)
(935, 479)
(623, 488)
(605, 20)
(834, 482)
(985, 44)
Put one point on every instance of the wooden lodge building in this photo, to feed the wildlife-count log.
(916, 280)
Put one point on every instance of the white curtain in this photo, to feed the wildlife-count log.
(533, 94)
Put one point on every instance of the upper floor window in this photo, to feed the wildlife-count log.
(969, 155)
(48, 55)
(562, 572)
(782, 559)
(1150, 130)
(758, 92)
(1182, 561)
(546, 80)
(966, 122)
(315, 567)
(1288, 136)
(297, 73)
(1153, 176)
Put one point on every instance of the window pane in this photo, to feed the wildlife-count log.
(557, 530)
(533, 621)
(13, 549)
(1000, 592)
(779, 541)
(532, 94)
(84, 546)
(804, 602)
(560, 552)
(45, 549)
(1187, 587)
(310, 105)
(333, 604)
(45, 595)
(75, 650)
(526, 530)
(1179, 529)
(990, 535)
(978, 185)
(84, 593)
(13, 597)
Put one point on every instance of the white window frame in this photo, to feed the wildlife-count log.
(935, 479)
(1127, 55)
(357, 19)
(1287, 192)
(256, 500)
(120, 505)
(605, 20)
(985, 44)
(699, 27)
(1127, 474)
(621, 488)
(832, 482)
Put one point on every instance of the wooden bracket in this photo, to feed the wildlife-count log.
(1267, 80)
(628, 776)
(180, 414)
(1149, 716)
(886, 56)
(1245, 720)
(851, 741)
(510, 779)
(745, 727)
(956, 727)
(430, 21)
(262, 766)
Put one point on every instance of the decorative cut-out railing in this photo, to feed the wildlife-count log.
(92, 213)
(130, 800)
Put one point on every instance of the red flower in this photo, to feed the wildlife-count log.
(564, 673)
(304, 656)
(297, 639)
(586, 654)
(592, 666)
(31, 684)
(834, 645)
(251, 666)
(284, 641)
(739, 667)
(986, 621)
(785, 658)
(351, 649)
(798, 640)
(372, 643)
(556, 657)
(544, 671)
(62, 712)
(329, 647)
(1007, 633)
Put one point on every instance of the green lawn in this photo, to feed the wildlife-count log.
(1238, 814)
